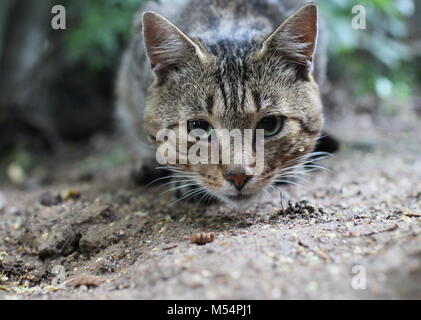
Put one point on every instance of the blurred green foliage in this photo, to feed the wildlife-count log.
(378, 59)
(99, 29)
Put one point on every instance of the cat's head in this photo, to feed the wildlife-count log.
(264, 83)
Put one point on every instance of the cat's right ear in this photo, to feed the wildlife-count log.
(166, 45)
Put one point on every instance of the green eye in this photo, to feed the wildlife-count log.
(202, 125)
(272, 125)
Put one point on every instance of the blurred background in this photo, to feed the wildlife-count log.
(57, 86)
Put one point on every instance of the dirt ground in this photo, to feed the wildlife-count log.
(78, 229)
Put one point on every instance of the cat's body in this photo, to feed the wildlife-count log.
(225, 64)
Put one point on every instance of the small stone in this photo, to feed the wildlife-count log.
(87, 281)
(141, 214)
(202, 238)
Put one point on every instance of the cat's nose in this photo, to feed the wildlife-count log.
(239, 180)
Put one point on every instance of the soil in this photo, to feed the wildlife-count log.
(77, 228)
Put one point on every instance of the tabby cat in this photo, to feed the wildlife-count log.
(232, 64)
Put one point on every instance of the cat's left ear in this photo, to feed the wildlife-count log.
(295, 40)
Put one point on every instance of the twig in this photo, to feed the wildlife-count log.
(392, 228)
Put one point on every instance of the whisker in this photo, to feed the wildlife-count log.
(288, 182)
(274, 189)
(207, 196)
(181, 187)
(190, 194)
(311, 157)
(267, 192)
(293, 172)
(172, 169)
(314, 154)
(316, 167)
(168, 177)
(294, 177)
(178, 182)
(305, 163)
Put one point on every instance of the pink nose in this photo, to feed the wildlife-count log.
(238, 180)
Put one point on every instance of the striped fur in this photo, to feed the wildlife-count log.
(229, 62)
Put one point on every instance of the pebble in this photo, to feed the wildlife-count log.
(202, 238)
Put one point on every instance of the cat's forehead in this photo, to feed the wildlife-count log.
(230, 88)
(227, 50)
(236, 85)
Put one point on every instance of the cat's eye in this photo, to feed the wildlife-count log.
(272, 125)
(202, 125)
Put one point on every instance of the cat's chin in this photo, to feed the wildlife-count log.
(239, 201)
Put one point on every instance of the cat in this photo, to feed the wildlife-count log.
(233, 64)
